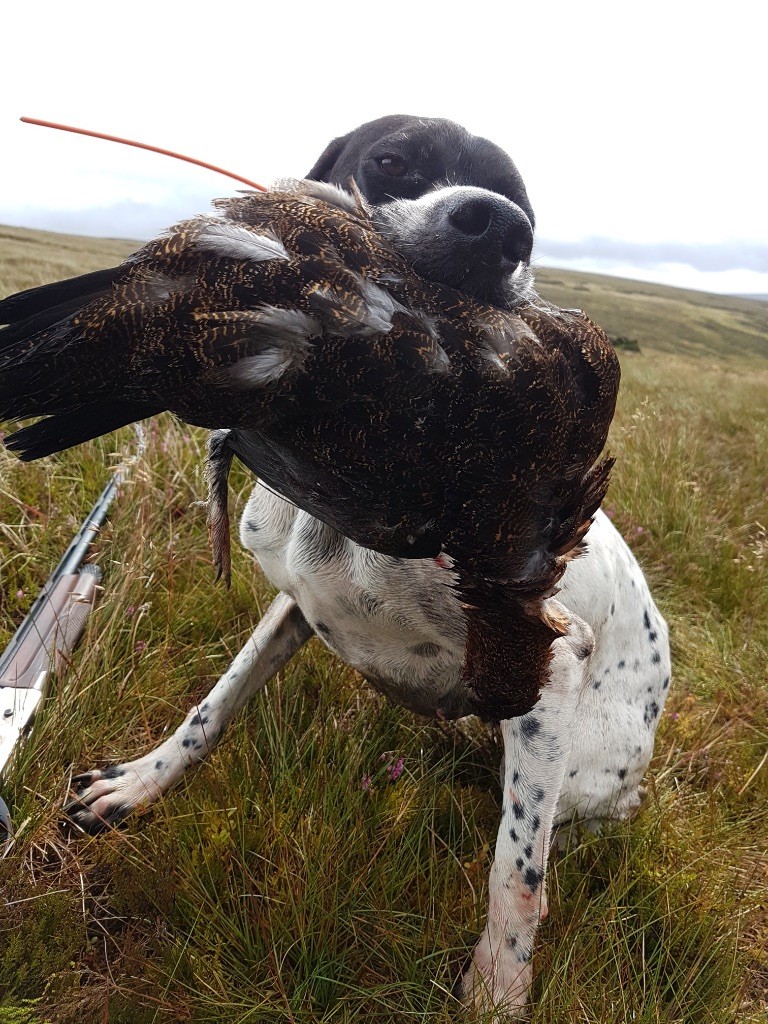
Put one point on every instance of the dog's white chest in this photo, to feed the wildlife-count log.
(398, 622)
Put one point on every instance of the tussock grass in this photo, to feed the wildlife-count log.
(271, 886)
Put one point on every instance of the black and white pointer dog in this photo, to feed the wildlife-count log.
(459, 210)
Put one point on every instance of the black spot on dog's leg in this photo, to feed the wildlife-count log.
(531, 878)
(529, 727)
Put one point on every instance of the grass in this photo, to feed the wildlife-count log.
(270, 886)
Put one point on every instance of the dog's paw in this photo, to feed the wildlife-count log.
(497, 984)
(103, 798)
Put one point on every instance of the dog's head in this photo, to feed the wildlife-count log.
(454, 204)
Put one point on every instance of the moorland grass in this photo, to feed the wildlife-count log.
(271, 886)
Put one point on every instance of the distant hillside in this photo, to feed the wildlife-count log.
(29, 258)
(669, 319)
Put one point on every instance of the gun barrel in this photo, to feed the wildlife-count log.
(30, 631)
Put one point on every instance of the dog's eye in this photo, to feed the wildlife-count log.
(395, 166)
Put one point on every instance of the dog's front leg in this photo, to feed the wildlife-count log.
(536, 749)
(105, 797)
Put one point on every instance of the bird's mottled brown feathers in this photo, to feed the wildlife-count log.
(403, 413)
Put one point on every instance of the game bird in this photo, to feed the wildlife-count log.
(410, 416)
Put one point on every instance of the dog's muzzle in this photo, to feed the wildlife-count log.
(489, 227)
(465, 237)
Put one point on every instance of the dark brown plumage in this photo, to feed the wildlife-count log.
(401, 412)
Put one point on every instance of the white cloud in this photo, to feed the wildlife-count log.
(640, 124)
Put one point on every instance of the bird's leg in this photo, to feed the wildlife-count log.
(536, 750)
(105, 797)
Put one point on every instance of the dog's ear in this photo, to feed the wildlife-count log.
(328, 158)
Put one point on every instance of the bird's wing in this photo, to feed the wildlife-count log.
(400, 412)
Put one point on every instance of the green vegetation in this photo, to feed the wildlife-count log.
(628, 344)
(271, 886)
(674, 321)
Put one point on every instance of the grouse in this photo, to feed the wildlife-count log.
(406, 414)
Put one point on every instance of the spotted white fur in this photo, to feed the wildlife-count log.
(580, 755)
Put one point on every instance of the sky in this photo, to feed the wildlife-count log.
(639, 128)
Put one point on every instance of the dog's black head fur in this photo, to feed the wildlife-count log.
(402, 157)
(453, 203)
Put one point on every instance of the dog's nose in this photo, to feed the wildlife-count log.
(501, 230)
(472, 216)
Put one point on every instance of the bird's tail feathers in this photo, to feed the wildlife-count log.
(45, 300)
(66, 430)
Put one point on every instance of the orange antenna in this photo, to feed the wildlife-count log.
(143, 145)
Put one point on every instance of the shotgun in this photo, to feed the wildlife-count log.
(46, 638)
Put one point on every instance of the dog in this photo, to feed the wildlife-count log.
(459, 209)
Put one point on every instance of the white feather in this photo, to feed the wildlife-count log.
(380, 307)
(322, 190)
(256, 371)
(291, 330)
(280, 322)
(237, 242)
